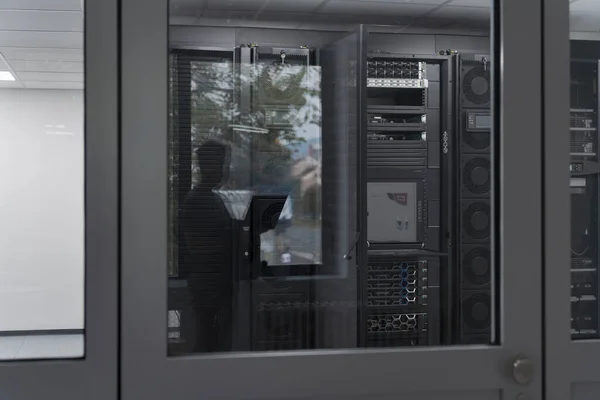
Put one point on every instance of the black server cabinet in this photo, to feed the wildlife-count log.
(585, 195)
(405, 200)
(472, 221)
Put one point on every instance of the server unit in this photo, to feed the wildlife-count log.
(473, 222)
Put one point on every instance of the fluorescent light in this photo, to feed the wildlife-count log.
(6, 76)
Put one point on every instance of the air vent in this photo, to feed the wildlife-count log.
(476, 220)
(476, 267)
(476, 175)
(476, 84)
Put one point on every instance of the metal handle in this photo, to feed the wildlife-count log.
(522, 370)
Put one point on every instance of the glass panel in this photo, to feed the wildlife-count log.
(585, 56)
(326, 187)
(42, 180)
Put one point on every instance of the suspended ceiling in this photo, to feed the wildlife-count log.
(41, 41)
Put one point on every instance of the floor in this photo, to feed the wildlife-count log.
(41, 347)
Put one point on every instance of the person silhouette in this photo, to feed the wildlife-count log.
(206, 263)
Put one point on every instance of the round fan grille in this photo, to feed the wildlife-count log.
(270, 216)
(476, 266)
(476, 175)
(477, 140)
(476, 311)
(476, 85)
(476, 220)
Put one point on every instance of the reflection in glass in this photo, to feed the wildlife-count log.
(309, 186)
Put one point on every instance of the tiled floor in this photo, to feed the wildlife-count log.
(41, 347)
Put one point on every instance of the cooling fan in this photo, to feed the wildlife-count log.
(476, 175)
(476, 309)
(476, 85)
(476, 220)
(476, 267)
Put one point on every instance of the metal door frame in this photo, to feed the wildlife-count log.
(95, 376)
(146, 370)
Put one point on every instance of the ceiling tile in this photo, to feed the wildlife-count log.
(50, 77)
(62, 21)
(69, 40)
(239, 5)
(585, 6)
(462, 13)
(46, 66)
(585, 22)
(10, 85)
(293, 6)
(375, 8)
(58, 5)
(53, 85)
(472, 3)
(3, 65)
(41, 54)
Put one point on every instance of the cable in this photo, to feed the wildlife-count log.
(585, 249)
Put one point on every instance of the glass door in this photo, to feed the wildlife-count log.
(324, 199)
(59, 200)
(571, 185)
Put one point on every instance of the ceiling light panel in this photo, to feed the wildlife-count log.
(6, 76)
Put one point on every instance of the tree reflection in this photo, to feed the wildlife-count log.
(275, 140)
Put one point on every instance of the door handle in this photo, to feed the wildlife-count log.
(522, 370)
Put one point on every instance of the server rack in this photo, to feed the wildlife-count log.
(406, 203)
(585, 195)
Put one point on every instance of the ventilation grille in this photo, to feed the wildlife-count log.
(476, 311)
(476, 85)
(396, 323)
(395, 70)
(476, 175)
(476, 140)
(396, 153)
(476, 220)
(476, 264)
(583, 262)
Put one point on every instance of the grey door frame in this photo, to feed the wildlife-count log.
(95, 376)
(148, 373)
(571, 367)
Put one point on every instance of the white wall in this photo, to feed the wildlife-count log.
(41, 209)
